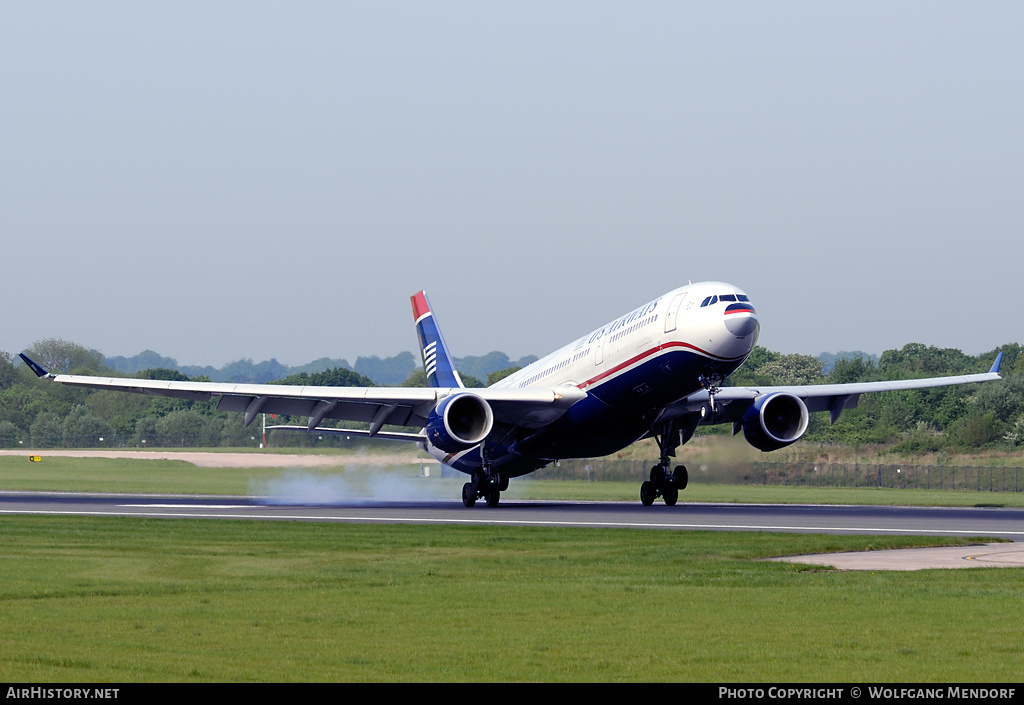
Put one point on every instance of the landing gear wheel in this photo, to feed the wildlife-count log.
(647, 493)
(469, 494)
(657, 476)
(493, 497)
(671, 495)
(680, 477)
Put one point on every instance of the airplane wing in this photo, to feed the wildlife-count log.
(834, 398)
(377, 406)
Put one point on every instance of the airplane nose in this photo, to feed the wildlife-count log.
(741, 320)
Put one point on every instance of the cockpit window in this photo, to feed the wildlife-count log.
(711, 300)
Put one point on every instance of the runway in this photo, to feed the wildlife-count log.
(844, 519)
(971, 522)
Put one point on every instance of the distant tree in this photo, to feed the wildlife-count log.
(918, 360)
(764, 367)
(57, 355)
(388, 371)
(10, 435)
(334, 377)
(321, 364)
(829, 360)
(196, 371)
(47, 430)
(162, 373)
(1015, 436)
(851, 369)
(416, 378)
(8, 371)
(903, 410)
(470, 382)
(145, 432)
(1005, 399)
(147, 359)
(499, 375)
(791, 369)
(244, 370)
(747, 374)
(181, 428)
(82, 429)
(978, 429)
(482, 365)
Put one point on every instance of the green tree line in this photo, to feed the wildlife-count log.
(35, 413)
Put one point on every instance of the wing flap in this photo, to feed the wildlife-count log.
(359, 433)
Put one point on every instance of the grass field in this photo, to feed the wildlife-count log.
(131, 600)
(89, 599)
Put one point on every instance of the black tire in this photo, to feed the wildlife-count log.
(681, 477)
(671, 495)
(469, 494)
(493, 497)
(657, 476)
(647, 493)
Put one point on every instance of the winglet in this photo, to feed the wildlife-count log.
(997, 363)
(437, 362)
(40, 372)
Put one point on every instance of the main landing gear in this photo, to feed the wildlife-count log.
(484, 487)
(485, 483)
(663, 483)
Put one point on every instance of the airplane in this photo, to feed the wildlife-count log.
(655, 372)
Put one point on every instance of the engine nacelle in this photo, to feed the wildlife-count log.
(459, 422)
(775, 421)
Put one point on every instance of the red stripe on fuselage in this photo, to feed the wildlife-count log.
(648, 353)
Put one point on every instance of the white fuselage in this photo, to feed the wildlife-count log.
(674, 320)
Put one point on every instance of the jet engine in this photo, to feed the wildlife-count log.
(774, 421)
(459, 422)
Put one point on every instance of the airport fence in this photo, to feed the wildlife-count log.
(249, 439)
(895, 476)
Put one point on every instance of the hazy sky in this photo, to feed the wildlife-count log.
(219, 180)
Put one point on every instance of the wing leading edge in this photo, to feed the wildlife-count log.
(834, 398)
(377, 406)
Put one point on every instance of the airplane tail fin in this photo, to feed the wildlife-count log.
(437, 361)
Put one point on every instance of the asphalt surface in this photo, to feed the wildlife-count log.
(982, 523)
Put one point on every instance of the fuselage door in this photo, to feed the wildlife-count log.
(673, 312)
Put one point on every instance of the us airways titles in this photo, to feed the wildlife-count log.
(641, 312)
